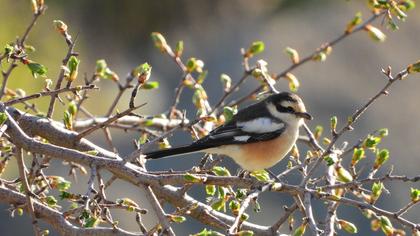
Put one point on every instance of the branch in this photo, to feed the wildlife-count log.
(55, 218)
(28, 192)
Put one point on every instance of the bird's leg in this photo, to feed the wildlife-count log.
(243, 174)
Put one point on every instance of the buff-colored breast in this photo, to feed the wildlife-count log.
(260, 155)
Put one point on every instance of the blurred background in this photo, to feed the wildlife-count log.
(214, 31)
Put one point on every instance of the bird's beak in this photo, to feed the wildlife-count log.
(304, 115)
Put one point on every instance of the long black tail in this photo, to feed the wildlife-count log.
(174, 151)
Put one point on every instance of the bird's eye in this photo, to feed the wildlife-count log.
(281, 108)
(289, 109)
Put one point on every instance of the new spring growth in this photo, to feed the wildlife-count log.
(159, 41)
(343, 175)
(37, 5)
(375, 33)
(103, 71)
(386, 226)
(333, 124)
(347, 226)
(60, 26)
(358, 154)
(318, 131)
(194, 64)
(293, 54)
(293, 81)
(322, 55)
(377, 188)
(415, 194)
(226, 81)
(179, 48)
(142, 72)
(73, 69)
(72, 108)
(381, 157)
(413, 68)
(234, 207)
(357, 19)
(255, 48)
(397, 11)
(36, 69)
(300, 230)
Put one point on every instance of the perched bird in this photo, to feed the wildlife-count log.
(257, 137)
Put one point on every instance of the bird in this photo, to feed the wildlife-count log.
(256, 138)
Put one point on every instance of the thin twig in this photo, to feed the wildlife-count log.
(163, 220)
(71, 44)
(48, 93)
(28, 191)
(310, 56)
(109, 121)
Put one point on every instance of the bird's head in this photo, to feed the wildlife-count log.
(288, 107)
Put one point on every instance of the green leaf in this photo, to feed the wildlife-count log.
(377, 188)
(375, 33)
(229, 112)
(415, 194)
(68, 120)
(383, 132)
(300, 230)
(3, 118)
(333, 122)
(261, 175)
(8, 50)
(206, 232)
(92, 152)
(63, 185)
(73, 63)
(381, 157)
(358, 154)
(234, 206)
(150, 85)
(179, 48)
(343, 175)
(72, 108)
(51, 201)
(293, 54)
(194, 178)
(371, 142)
(348, 226)
(256, 48)
(142, 72)
(100, 67)
(37, 69)
(226, 81)
(245, 233)
(159, 41)
(220, 171)
(210, 190)
(177, 218)
(414, 67)
(219, 205)
(91, 222)
(330, 161)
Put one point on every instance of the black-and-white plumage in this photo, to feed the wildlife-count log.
(276, 116)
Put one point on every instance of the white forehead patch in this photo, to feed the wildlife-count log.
(242, 138)
(260, 125)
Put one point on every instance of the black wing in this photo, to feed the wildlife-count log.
(229, 133)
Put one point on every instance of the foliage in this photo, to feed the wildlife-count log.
(348, 178)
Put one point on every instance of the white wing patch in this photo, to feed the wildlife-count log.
(242, 138)
(260, 125)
